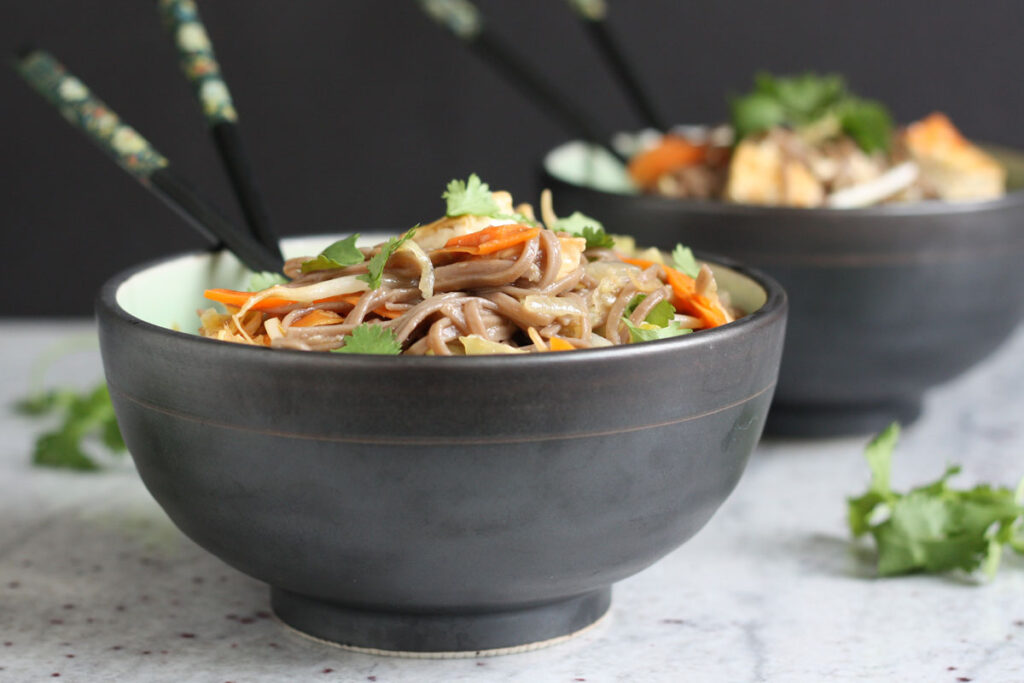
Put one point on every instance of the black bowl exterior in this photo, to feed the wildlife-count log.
(441, 487)
(885, 301)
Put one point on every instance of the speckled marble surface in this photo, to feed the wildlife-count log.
(97, 585)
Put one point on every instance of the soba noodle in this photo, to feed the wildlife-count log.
(453, 287)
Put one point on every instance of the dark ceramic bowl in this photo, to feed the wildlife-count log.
(431, 504)
(886, 301)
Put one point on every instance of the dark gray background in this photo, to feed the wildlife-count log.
(357, 112)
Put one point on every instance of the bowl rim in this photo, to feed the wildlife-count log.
(926, 208)
(775, 307)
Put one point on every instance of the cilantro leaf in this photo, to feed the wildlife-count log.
(590, 229)
(371, 338)
(755, 113)
(808, 99)
(265, 280)
(62, 449)
(805, 97)
(648, 332)
(380, 259)
(660, 314)
(470, 197)
(684, 261)
(867, 122)
(597, 238)
(83, 416)
(341, 254)
(933, 528)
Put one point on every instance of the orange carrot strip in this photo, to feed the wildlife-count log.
(492, 239)
(559, 344)
(238, 299)
(671, 153)
(686, 299)
(318, 317)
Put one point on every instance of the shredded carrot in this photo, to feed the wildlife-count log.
(238, 299)
(686, 299)
(559, 344)
(492, 239)
(318, 317)
(671, 153)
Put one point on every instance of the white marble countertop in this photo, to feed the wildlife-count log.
(97, 585)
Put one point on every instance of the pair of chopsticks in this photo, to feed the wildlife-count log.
(256, 247)
(463, 20)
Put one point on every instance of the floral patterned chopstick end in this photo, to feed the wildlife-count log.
(198, 61)
(86, 112)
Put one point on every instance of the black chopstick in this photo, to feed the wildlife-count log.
(134, 154)
(593, 13)
(200, 67)
(462, 19)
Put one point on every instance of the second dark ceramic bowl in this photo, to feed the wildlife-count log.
(426, 504)
(886, 301)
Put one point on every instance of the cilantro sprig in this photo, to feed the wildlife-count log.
(341, 254)
(658, 323)
(83, 417)
(934, 528)
(380, 259)
(472, 196)
(648, 332)
(373, 339)
(581, 225)
(684, 261)
(809, 100)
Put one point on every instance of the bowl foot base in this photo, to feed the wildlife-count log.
(441, 635)
(846, 420)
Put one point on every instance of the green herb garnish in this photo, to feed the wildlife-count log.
(265, 280)
(380, 259)
(808, 101)
(660, 314)
(684, 261)
(83, 416)
(371, 338)
(341, 254)
(590, 229)
(867, 122)
(470, 197)
(934, 528)
(649, 332)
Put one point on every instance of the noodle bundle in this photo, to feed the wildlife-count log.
(487, 278)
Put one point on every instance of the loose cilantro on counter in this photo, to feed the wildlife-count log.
(83, 416)
(934, 528)
(380, 259)
(807, 101)
(341, 254)
(371, 338)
